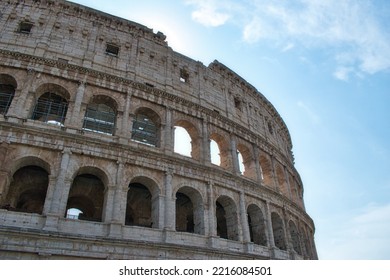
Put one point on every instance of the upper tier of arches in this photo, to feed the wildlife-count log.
(103, 113)
(127, 50)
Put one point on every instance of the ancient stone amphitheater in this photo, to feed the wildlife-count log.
(91, 106)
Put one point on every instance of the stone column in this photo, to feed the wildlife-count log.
(244, 219)
(4, 182)
(61, 191)
(169, 217)
(168, 132)
(49, 194)
(212, 229)
(75, 118)
(287, 236)
(24, 101)
(274, 179)
(58, 191)
(256, 154)
(109, 193)
(5, 175)
(117, 206)
(205, 143)
(288, 182)
(233, 148)
(271, 240)
(126, 124)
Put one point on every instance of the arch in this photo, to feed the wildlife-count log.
(282, 182)
(248, 168)
(52, 104)
(278, 231)
(30, 160)
(266, 170)
(141, 204)
(87, 194)
(27, 191)
(305, 243)
(8, 86)
(100, 115)
(146, 127)
(222, 149)
(256, 225)
(187, 139)
(227, 218)
(215, 154)
(189, 211)
(294, 236)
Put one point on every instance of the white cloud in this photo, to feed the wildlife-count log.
(349, 31)
(207, 13)
(342, 73)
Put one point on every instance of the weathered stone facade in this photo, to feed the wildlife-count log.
(88, 108)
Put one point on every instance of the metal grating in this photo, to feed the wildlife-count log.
(50, 108)
(7, 93)
(99, 118)
(144, 130)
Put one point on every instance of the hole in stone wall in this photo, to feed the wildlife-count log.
(25, 27)
(184, 76)
(112, 50)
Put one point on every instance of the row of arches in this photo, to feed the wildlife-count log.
(87, 195)
(148, 126)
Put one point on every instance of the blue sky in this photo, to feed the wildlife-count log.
(325, 66)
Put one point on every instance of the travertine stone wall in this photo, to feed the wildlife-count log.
(88, 108)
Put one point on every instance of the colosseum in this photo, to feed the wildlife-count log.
(91, 106)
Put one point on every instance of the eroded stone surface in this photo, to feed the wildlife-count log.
(89, 106)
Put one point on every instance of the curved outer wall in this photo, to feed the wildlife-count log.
(89, 106)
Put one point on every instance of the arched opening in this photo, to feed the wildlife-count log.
(256, 225)
(189, 211)
(294, 235)
(7, 92)
(184, 213)
(266, 168)
(241, 166)
(278, 231)
(87, 195)
(227, 219)
(183, 143)
(100, 115)
(215, 155)
(246, 162)
(220, 151)
(142, 207)
(50, 107)
(139, 206)
(186, 140)
(306, 244)
(27, 192)
(146, 127)
(282, 182)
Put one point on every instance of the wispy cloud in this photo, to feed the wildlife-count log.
(209, 13)
(313, 117)
(364, 233)
(350, 31)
